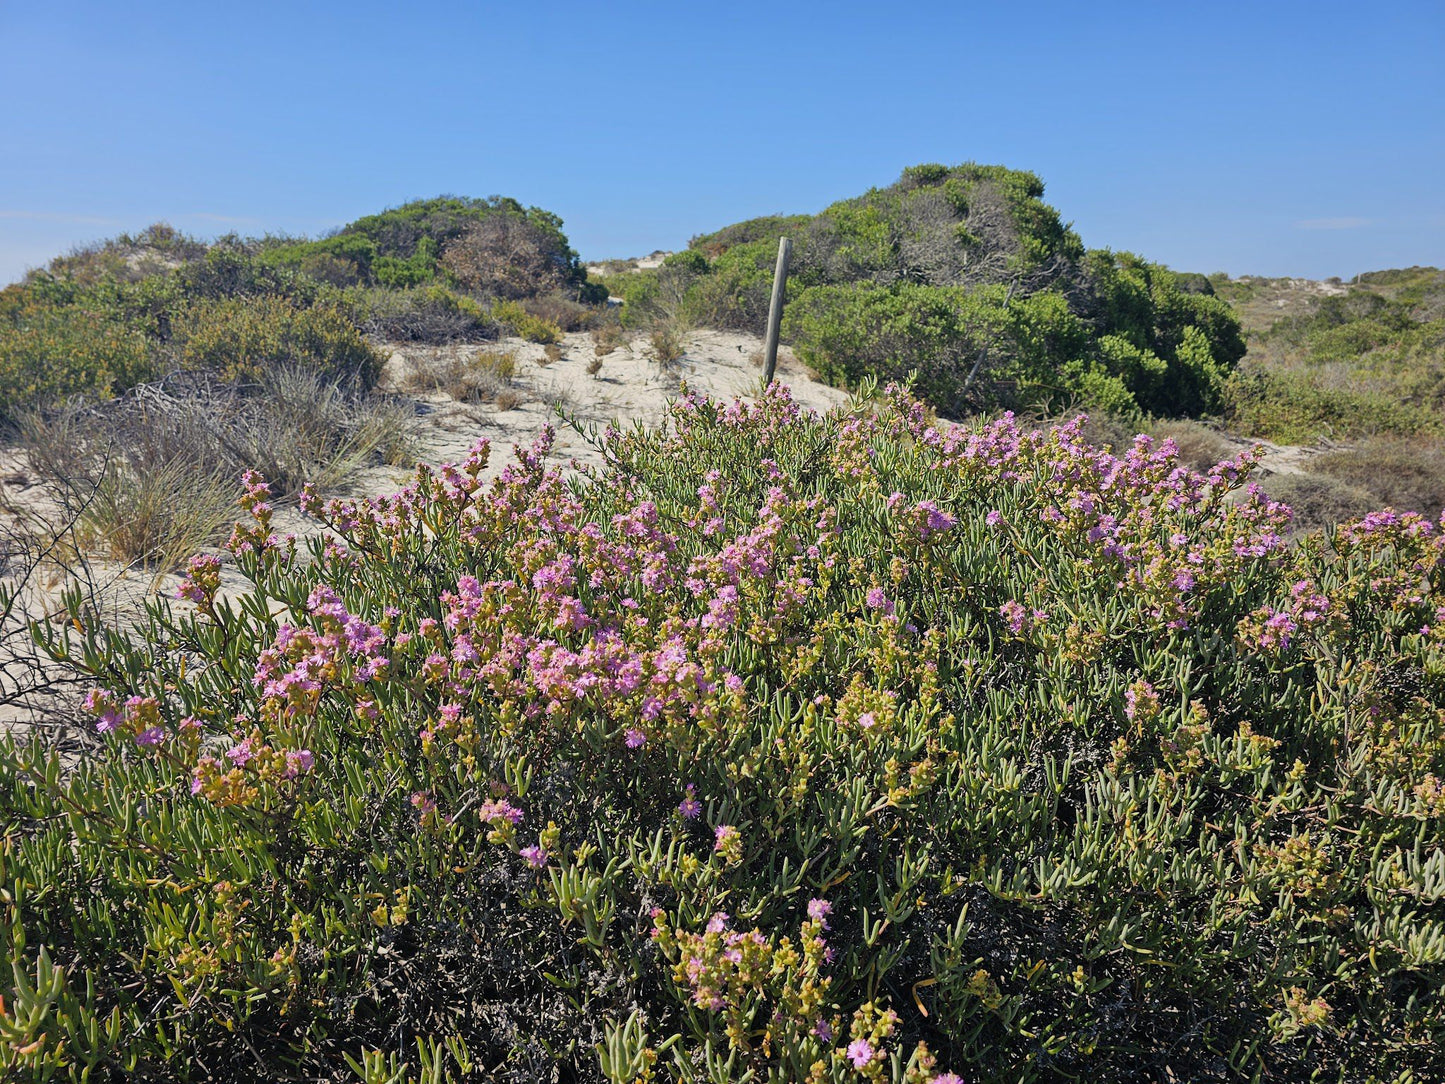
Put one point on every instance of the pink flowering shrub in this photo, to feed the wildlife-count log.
(826, 749)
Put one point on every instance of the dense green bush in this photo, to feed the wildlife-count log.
(242, 338)
(965, 274)
(492, 246)
(47, 353)
(976, 347)
(784, 747)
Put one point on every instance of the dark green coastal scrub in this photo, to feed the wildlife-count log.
(966, 277)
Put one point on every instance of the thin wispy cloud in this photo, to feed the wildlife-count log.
(1343, 223)
(225, 220)
(54, 216)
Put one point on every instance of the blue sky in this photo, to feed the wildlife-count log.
(1265, 137)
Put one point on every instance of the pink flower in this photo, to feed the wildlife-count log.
(536, 856)
(635, 737)
(819, 910)
(690, 807)
(947, 1078)
(152, 736)
(102, 705)
(718, 922)
(861, 1052)
(499, 809)
(993, 518)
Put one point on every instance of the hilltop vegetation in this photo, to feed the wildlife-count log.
(131, 310)
(1359, 361)
(967, 277)
(492, 247)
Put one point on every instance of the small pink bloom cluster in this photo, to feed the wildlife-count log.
(202, 580)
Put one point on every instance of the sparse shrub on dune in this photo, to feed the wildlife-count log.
(514, 317)
(149, 477)
(434, 315)
(1406, 473)
(667, 344)
(565, 311)
(608, 338)
(825, 750)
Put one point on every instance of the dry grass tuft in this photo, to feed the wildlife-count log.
(475, 379)
(151, 477)
(667, 344)
(1199, 446)
(607, 339)
(1404, 473)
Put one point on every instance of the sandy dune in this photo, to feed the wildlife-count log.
(629, 387)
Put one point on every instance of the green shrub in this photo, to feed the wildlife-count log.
(737, 288)
(344, 260)
(232, 269)
(243, 338)
(420, 267)
(766, 230)
(1295, 406)
(969, 348)
(782, 748)
(638, 291)
(48, 353)
(1108, 330)
(490, 246)
(513, 316)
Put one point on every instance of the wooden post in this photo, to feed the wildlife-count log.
(775, 311)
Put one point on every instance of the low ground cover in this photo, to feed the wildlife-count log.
(835, 749)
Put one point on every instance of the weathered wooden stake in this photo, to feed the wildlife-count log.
(775, 311)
